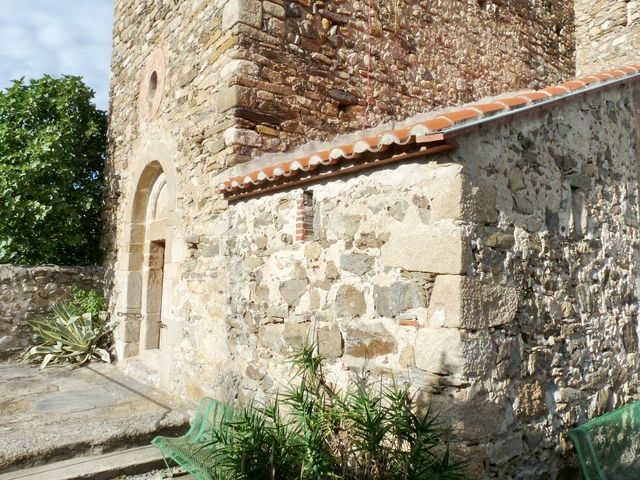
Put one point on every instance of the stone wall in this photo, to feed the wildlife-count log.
(607, 34)
(566, 239)
(309, 69)
(242, 77)
(250, 292)
(499, 279)
(25, 291)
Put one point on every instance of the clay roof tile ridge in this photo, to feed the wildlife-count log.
(422, 128)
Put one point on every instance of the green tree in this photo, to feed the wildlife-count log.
(52, 153)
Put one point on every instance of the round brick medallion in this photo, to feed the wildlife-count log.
(152, 85)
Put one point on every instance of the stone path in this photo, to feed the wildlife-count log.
(60, 412)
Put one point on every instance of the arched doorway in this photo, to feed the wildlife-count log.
(147, 266)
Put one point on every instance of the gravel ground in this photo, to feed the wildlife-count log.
(156, 475)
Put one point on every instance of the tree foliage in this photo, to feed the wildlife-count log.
(52, 152)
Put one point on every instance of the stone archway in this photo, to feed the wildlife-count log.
(147, 264)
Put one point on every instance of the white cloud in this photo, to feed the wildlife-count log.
(57, 37)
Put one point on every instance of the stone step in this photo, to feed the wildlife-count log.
(61, 413)
(143, 369)
(106, 466)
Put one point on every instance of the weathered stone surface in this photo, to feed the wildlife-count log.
(342, 97)
(330, 344)
(469, 419)
(607, 34)
(274, 9)
(630, 336)
(238, 67)
(461, 199)
(449, 351)
(357, 263)
(78, 411)
(516, 179)
(502, 451)
(349, 302)
(255, 373)
(442, 249)
(500, 240)
(271, 337)
(391, 301)
(241, 136)
(529, 402)
(296, 334)
(292, 290)
(313, 250)
(369, 341)
(256, 116)
(25, 291)
(248, 12)
(459, 301)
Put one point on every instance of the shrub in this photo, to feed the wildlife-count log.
(315, 432)
(86, 301)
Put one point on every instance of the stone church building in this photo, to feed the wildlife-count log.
(357, 173)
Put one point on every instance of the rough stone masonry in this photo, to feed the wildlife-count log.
(499, 278)
(27, 291)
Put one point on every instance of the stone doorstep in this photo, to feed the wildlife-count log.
(106, 466)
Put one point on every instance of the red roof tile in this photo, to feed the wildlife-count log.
(420, 132)
(511, 102)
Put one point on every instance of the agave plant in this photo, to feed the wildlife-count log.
(66, 337)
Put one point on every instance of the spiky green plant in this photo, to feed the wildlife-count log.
(65, 337)
(313, 431)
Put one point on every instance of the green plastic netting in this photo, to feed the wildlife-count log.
(189, 451)
(609, 446)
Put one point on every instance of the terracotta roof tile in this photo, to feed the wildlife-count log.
(604, 76)
(438, 123)
(533, 96)
(420, 132)
(555, 91)
(573, 84)
(617, 73)
(511, 102)
(589, 79)
(460, 115)
(488, 107)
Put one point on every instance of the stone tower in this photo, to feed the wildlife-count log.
(607, 34)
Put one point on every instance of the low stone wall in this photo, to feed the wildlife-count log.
(28, 290)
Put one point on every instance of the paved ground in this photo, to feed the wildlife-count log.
(61, 412)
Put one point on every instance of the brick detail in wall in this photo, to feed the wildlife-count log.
(304, 216)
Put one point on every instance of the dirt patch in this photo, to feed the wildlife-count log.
(14, 406)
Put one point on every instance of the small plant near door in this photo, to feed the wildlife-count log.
(75, 332)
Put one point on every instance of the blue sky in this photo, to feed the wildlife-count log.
(57, 37)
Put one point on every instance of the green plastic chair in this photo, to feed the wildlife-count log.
(609, 446)
(191, 451)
